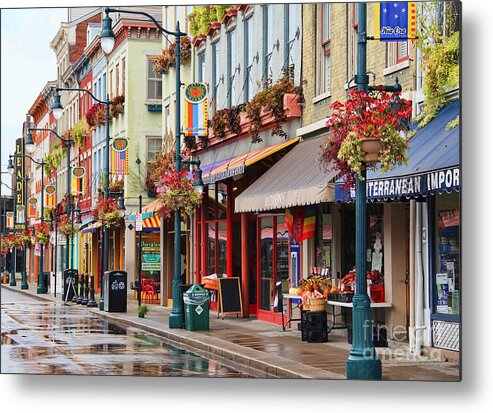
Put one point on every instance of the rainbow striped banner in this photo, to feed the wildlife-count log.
(300, 222)
(395, 21)
(195, 109)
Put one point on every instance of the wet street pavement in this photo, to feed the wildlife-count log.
(46, 338)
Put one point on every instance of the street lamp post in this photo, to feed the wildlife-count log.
(42, 288)
(58, 108)
(107, 43)
(68, 141)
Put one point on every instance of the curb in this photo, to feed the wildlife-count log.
(257, 363)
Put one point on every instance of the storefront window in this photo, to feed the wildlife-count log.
(216, 204)
(323, 238)
(375, 237)
(151, 256)
(447, 256)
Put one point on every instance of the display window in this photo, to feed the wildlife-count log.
(323, 238)
(447, 254)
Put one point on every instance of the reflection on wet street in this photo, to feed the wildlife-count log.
(44, 338)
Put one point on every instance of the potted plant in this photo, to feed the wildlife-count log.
(143, 310)
(367, 128)
(42, 233)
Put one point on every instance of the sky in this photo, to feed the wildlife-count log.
(28, 63)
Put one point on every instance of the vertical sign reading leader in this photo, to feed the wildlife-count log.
(19, 176)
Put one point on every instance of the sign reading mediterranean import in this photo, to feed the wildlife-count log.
(414, 185)
(407, 186)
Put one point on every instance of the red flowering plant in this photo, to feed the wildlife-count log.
(66, 226)
(4, 247)
(96, 115)
(378, 115)
(106, 212)
(26, 237)
(42, 233)
(13, 240)
(175, 189)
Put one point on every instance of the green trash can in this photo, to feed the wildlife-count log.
(196, 302)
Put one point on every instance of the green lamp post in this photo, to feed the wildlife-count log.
(107, 43)
(56, 108)
(362, 363)
(13, 282)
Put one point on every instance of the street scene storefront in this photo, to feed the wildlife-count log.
(252, 160)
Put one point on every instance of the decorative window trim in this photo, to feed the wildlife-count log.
(246, 9)
(214, 31)
(230, 19)
(322, 96)
(395, 68)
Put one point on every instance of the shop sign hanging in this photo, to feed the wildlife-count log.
(395, 21)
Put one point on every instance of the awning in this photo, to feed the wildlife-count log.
(433, 164)
(147, 210)
(93, 227)
(236, 166)
(297, 179)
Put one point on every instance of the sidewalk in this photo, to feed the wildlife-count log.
(264, 350)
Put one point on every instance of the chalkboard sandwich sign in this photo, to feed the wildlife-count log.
(229, 297)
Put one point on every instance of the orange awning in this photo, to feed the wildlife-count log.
(237, 165)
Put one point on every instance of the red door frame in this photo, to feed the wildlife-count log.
(266, 315)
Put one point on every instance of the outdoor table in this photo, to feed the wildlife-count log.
(289, 298)
(350, 305)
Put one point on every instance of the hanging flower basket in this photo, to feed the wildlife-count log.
(26, 238)
(371, 147)
(175, 190)
(42, 233)
(367, 128)
(13, 241)
(107, 212)
(66, 226)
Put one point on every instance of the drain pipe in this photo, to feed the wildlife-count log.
(419, 327)
(412, 212)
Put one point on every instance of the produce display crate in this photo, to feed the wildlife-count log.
(316, 304)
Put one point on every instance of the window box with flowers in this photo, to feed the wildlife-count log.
(42, 233)
(270, 108)
(367, 128)
(96, 115)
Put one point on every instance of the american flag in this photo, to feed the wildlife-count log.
(119, 162)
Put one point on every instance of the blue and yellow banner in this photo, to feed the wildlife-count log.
(395, 21)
